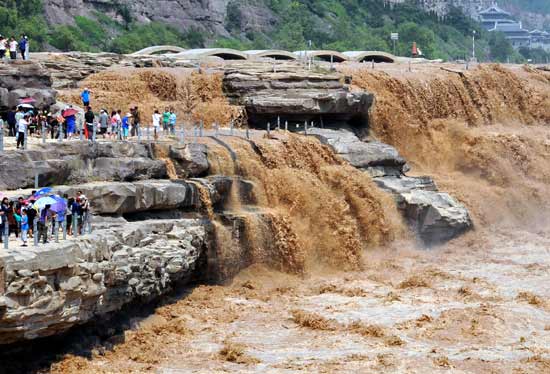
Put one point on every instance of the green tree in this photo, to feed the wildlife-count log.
(500, 48)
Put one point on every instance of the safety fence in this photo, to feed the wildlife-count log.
(79, 225)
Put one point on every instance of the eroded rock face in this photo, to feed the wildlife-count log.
(295, 95)
(22, 79)
(77, 162)
(63, 285)
(435, 216)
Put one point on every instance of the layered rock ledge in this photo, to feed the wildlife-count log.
(48, 291)
(295, 95)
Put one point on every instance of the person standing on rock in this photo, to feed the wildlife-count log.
(166, 120)
(23, 47)
(156, 123)
(45, 219)
(103, 123)
(13, 49)
(135, 121)
(24, 226)
(125, 125)
(89, 117)
(3, 47)
(85, 96)
(173, 119)
(4, 207)
(21, 131)
(12, 122)
(27, 48)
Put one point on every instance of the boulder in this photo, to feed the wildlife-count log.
(436, 216)
(377, 158)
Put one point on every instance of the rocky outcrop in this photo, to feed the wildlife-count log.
(295, 95)
(77, 162)
(68, 69)
(377, 158)
(47, 292)
(208, 17)
(23, 79)
(435, 216)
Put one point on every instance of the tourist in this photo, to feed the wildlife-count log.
(13, 49)
(76, 211)
(156, 123)
(119, 123)
(135, 121)
(113, 123)
(165, 120)
(85, 209)
(69, 213)
(31, 214)
(59, 218)
(173, 119)
(85, 96)
(103, 123)
(13, 225)
(46, 216)
(126, 125)
(23, 47)
(27, 54)
(19, 114)
(24, 226)
(12, 121)
(3, 47)
(22, 131)
(70, 122)
(4, 207)
(89, 117)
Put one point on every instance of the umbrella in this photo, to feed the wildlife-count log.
(42, 192)
(57, 203)
(27, 100)
(26, 106)
(70, 112)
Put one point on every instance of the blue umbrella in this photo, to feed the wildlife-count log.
(42, 192)
(57, 203)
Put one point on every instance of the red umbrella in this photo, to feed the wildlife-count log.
(27, 100)
(69, 112)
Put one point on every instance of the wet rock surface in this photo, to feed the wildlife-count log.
(63, 285)
(435, 216)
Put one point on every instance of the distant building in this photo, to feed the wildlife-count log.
(540, 39)
(497, 19)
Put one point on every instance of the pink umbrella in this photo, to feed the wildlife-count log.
(69, 112)
(27, 100)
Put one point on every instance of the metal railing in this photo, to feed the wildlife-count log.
(80, 225)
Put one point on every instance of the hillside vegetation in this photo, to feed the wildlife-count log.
(331, 24)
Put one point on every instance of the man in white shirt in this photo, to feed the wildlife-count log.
(22, 131)
(156, 123)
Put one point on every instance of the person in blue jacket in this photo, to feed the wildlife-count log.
(85, 96)
(23, 47)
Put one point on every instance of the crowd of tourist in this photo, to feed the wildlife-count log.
(23, 121)
(49, 212)
(9, 47)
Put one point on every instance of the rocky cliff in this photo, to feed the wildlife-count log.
(206, 16)
(23, 79)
